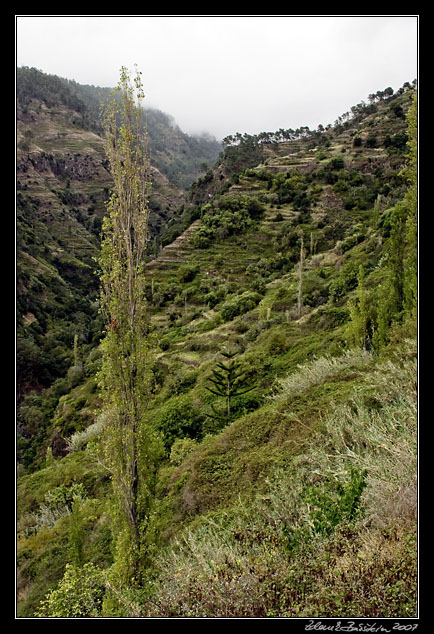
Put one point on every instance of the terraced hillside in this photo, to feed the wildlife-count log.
(325, 192)
(62, 185)
(303, 503)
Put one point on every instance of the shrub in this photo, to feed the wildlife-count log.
(258, 285)
(278, 343)
(80, 439)
(180, 450)
(397, 141)
(351, 241)
(212, 298)
(240, 305)
(79, 594)
(181, 381)
(178, 418)
(188, 272)
(337, 163)
(202, 238)
(335, 501)
(230, 215)
(93, 361)
(346, 282)
(57, 503)
(255, 208)
(75, 374)
(164, 344)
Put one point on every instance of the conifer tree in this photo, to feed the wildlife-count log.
(228, 381)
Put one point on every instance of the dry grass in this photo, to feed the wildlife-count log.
(320, 370)
(239, 563)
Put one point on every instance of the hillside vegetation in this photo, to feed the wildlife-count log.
(63, 184)
(289, 269)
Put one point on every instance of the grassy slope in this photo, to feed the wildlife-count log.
(229, 496)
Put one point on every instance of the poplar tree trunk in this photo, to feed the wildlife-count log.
(126, 357)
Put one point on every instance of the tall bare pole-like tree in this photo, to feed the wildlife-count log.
(300, 278)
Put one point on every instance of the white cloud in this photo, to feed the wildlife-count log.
(227, 74)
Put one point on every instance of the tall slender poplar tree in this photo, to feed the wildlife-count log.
(357, 328)
(398, 301)
(125, 378)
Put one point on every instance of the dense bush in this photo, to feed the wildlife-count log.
(346, 281)
(80, 594)
(397, 141)
(178, 418)
(292, 188)
(230, 215)
(239, 305)
(187, 273)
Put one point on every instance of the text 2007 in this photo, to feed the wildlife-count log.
(405, 628)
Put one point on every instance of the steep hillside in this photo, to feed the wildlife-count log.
(180, 157)
(62, 185)
(61, 188)
(297, 256)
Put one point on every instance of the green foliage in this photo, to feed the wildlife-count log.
(396, 298)
(354, 238)
(230, 215)
(34, 84)
(228, 381)
(180, 449)
(395, 142)
(178, 418)
(76, 533)
(371, 141)
(247, 153)
(336, 505)
(79, 594)
(337, 163)
(187, 273)
(239, 305)
(64, 497)
(75, 374)
(358, 328)
(305, 504)
(319, 370)
(278, 343)
(334, 502)
(125, 379)
(345, 282)
(293, 188)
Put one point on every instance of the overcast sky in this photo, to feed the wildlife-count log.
(228, 74)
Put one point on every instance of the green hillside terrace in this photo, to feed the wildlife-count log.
(295, 257)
